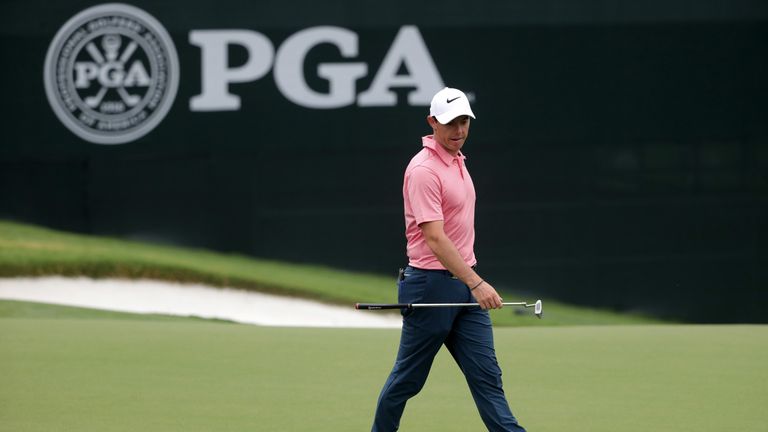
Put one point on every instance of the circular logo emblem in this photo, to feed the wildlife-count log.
(111, 73)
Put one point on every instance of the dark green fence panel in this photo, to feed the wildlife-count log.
(620, 153)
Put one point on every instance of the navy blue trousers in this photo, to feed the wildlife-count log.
(468, 335)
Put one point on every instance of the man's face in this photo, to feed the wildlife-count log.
(452, 135)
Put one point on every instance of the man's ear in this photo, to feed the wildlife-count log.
(431, 120)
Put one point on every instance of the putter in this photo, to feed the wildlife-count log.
(537, 308)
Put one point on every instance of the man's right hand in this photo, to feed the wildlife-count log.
(487, 297)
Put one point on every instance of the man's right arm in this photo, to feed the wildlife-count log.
(449, 256)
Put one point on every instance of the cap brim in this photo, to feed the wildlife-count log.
(446, 117)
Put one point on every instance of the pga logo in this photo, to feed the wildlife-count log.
(408, 49)
(112, 72)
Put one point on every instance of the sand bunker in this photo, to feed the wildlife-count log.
(145, 296)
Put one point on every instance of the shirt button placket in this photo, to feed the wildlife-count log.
(458, 164)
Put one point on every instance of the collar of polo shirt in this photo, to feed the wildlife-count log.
(429, 142)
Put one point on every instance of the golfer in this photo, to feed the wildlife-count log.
(439, 200)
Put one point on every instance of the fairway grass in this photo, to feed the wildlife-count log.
(113, 374)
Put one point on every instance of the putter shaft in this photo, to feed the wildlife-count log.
(424, 305)
(378, 306)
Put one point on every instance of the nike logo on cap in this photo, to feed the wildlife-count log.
(451, 100)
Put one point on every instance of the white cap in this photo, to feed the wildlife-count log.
(449, 103)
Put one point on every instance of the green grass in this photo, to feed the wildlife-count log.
(76, 369)
(27, 250)
(32, 250)
(32, 310)
(80, 370)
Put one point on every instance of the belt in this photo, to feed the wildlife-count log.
(440, 271)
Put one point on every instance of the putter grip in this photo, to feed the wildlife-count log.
(378, 306)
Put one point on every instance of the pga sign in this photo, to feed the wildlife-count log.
(112, 71)
(287, 62)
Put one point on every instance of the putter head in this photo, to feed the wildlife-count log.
(537, 309)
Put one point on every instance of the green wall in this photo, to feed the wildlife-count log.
(620, 151)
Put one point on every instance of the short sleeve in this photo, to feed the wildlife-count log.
(424, 193)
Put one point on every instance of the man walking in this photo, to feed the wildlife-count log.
(439, 201)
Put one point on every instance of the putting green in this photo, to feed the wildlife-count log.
(110, 374)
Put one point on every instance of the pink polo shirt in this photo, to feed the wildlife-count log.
(437, 186)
